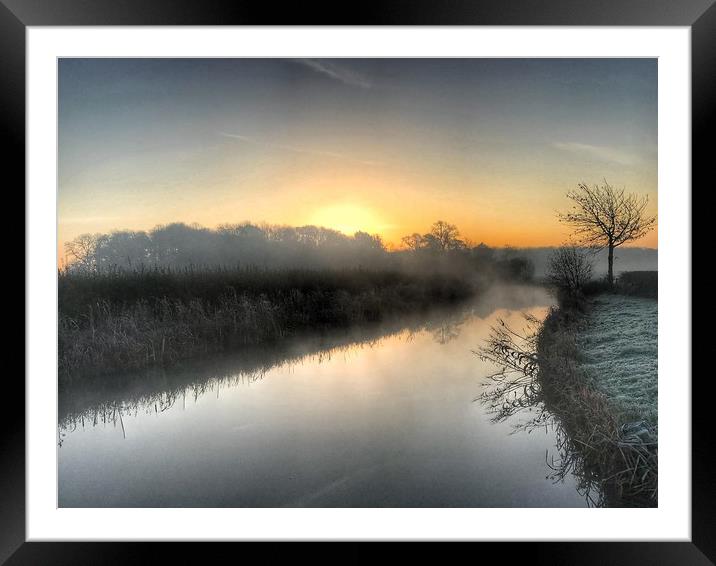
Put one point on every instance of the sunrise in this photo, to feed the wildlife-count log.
(386, 145)
(357, 282)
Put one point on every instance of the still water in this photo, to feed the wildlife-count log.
(383, 417)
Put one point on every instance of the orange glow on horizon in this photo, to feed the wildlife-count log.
(349, 218)
(390, 200)
(385, 146)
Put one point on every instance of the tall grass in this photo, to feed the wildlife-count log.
(608, 447)
(155, 388)
(120, 319)
(603, 450)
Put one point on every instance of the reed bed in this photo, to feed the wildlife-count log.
(121, 320)
(606, 446)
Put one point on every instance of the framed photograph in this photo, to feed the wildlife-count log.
(420, 276)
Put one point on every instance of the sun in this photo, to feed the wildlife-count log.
(348, 218)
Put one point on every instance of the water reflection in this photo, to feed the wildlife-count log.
(514, 391)
(105, 401)
(369, 417)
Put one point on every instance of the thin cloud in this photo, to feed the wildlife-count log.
(337, 72)
(294, 149)
(599, 152)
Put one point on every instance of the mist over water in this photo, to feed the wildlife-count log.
(374, 416)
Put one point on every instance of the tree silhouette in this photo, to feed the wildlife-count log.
(413, 242)
(83, 249)
(446, 236)
(605, 217)
(569, 269)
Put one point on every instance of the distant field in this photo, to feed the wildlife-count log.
(619, 346)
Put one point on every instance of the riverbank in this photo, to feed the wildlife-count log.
(129, 320)
(83, 399)
(385, 420)
(601, 386)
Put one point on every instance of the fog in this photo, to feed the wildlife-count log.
(179, 246)
(373, 417)
(625, 259)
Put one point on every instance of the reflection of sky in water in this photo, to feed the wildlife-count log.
(388, 424)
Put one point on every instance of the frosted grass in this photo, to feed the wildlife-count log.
(619, 348)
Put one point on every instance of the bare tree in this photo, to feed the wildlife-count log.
(605, 217)
(369, 242)
(441, 238)
(413, 242)
(83, 249)
(446, 236)
(569, 269)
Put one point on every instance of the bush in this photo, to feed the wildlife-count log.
(569, 270)
(596, 287)
(639, 283)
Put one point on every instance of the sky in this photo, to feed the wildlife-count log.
(386, 146)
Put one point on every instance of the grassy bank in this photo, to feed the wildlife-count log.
(130, 319)
(607, 411)
(619, 353)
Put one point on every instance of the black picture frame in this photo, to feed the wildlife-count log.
(16, 15)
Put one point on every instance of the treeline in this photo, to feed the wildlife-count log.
(178, 246)
(134, 299)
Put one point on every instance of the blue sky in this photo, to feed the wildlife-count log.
(385, 145)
